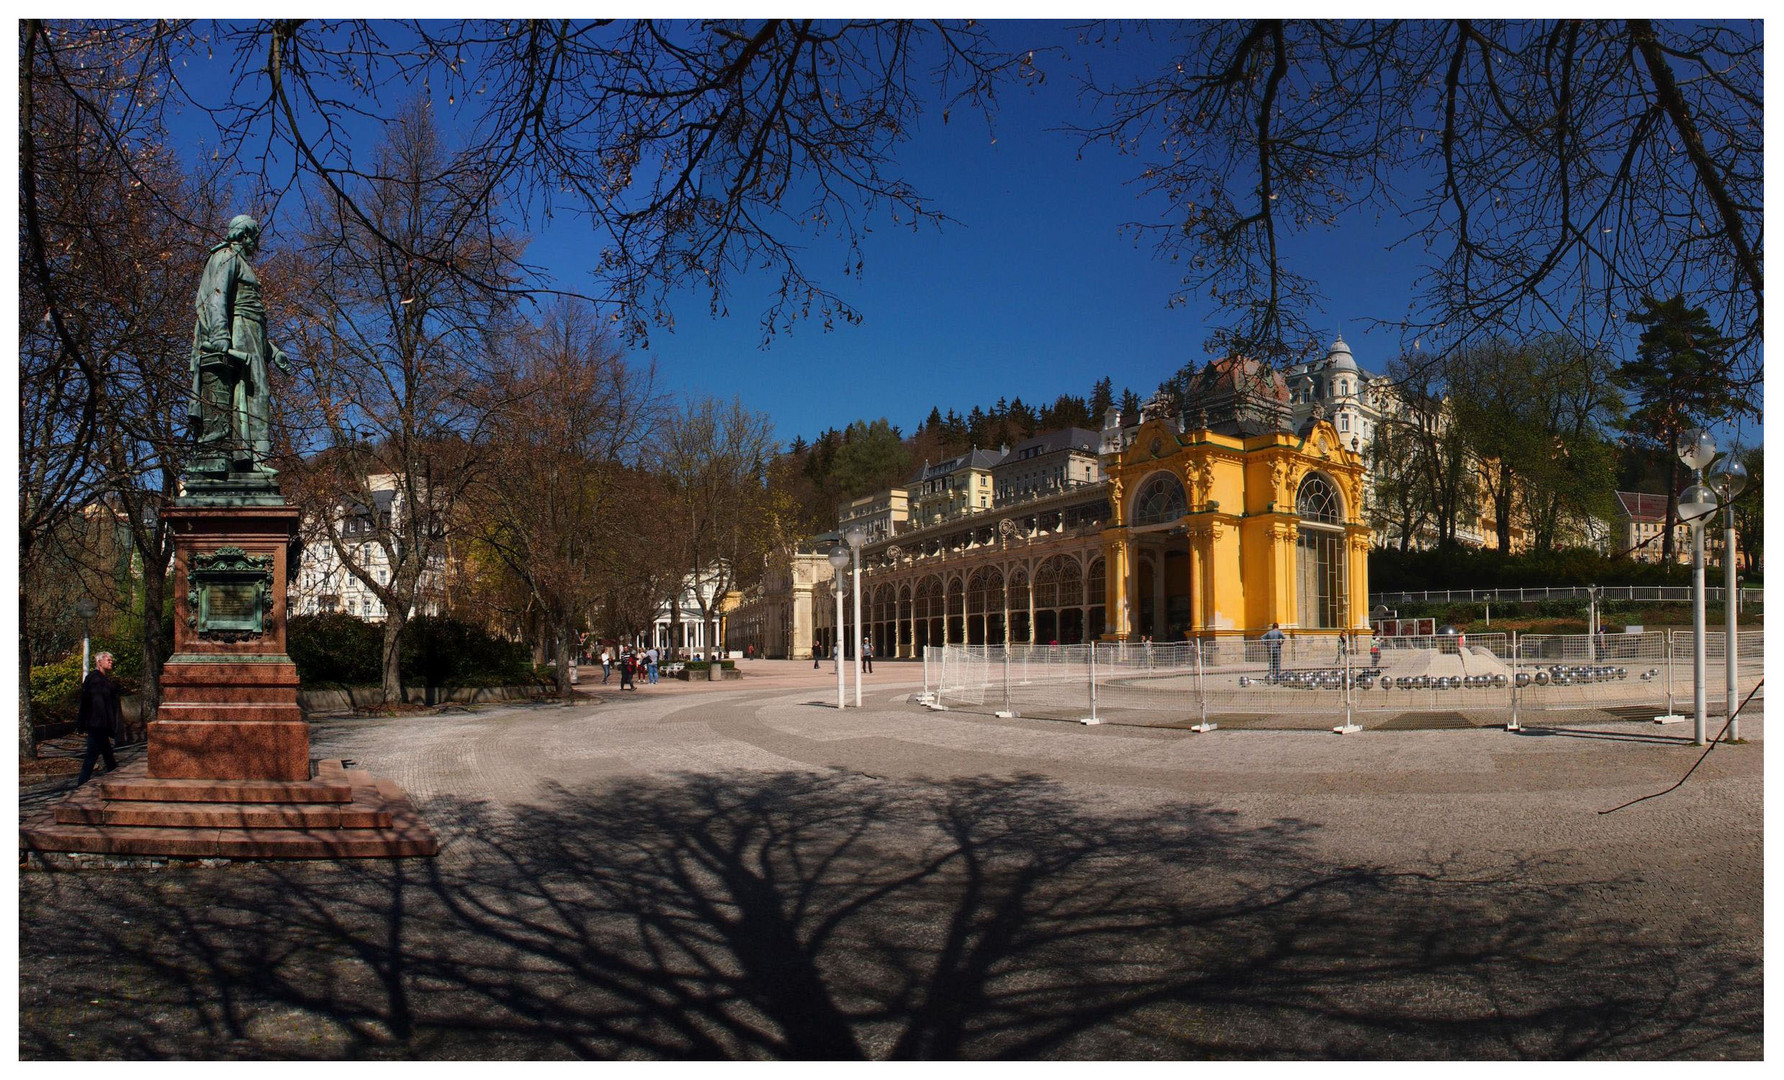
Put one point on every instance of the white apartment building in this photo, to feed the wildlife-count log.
(323, 583)
(1046, 465)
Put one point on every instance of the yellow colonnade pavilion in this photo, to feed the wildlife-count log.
(1214, 519)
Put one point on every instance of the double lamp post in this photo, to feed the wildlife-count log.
(1696, 503)
(841, 558)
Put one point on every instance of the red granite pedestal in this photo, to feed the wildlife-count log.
(228, 771)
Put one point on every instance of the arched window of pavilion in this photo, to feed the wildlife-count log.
(1161, 500)
(1319, 549)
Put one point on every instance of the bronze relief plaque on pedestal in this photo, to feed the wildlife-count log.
(227, 592)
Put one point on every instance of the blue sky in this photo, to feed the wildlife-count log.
(1031, 292)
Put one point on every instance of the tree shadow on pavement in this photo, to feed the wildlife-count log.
(830, 915)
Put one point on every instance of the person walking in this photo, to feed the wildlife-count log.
(867, 655)
(606, 665)
(1273, 641)
(101, 714)
(650, 665)
(626, 666)
(817, 653)
(1374, 651)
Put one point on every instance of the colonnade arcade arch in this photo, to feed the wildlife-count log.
(1038, 599)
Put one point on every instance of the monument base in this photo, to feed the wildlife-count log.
(229, 717)
(233, 749)
(342, 813)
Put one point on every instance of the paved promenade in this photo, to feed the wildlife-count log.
(738, 869)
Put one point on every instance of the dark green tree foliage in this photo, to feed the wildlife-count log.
(1130, 406)
(1533, 413)
(338, 649)
(1024, 421)
(1102, 395)
(1677, 380)
(871, 457)
(441, 651)
(1067, 410)
(1423, 569)
(335, 649)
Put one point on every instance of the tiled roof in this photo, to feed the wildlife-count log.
(1641, 506)
(1058, 440)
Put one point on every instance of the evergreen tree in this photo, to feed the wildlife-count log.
(1023, 420)
(934, 422)
(1677, 380)
(978, 427)
(1068, 410)
(955, 436)
(1130, 406)
(871, 457)
(1176, 388)
(1102, 395)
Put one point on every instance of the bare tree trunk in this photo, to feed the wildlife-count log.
(27, 725)
(1502, 510)
(1672, 507)
(561, 653)
(393, 659)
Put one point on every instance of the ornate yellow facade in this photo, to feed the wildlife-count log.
(1235, 559)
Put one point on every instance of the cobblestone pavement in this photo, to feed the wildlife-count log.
(738, 869)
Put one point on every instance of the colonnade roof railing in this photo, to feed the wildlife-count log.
(1653, 593)
(982, 517)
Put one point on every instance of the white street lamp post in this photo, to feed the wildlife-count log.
(856, 538)
(1696, 449)
(839, 561)
(1729, 480)
(86, 609)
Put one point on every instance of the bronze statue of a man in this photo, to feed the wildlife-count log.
(229, 407)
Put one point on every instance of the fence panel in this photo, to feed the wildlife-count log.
(1749, 665)
(1476, 679)
(1587, 671)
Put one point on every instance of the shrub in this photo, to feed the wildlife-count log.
(56, 687)
(335, 649)
(55, 691)
(442, 651)
(1434, 569)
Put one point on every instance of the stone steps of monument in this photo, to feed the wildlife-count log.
(244, 694)
(134, 782)
(342, 813)
(396, 841)
(366, 811)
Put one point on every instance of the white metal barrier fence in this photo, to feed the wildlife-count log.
(1479, 678)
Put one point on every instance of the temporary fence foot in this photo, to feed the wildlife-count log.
(1089, 720)
(1514, 726)
(1001, 714)
(1204, 727)
(936, 706)
(1347, 729)
(1671, 718)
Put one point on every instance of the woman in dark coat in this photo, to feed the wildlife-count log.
(101, 714)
